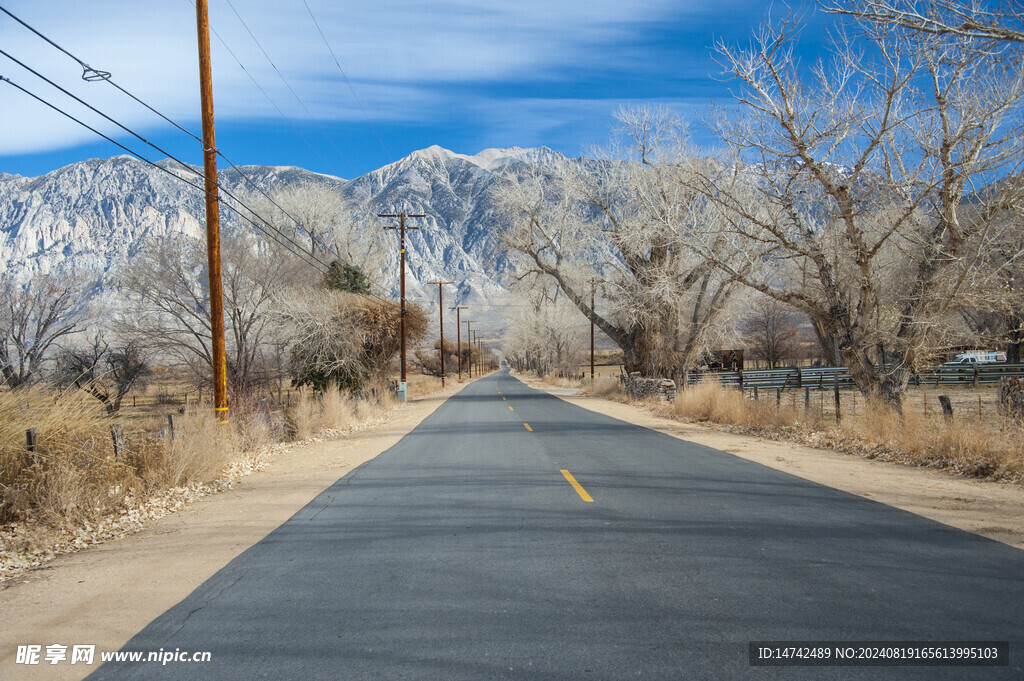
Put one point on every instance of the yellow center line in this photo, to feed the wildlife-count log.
(528, 427)
(577, 486)
(510, 408)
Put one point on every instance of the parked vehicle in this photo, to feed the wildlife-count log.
(979, 357)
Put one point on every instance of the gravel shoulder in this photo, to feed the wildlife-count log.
(104, 595)
(991, 509)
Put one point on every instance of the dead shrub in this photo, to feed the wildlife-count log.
(608, 388)
(72, 474)
(314, 411)
(711, 402)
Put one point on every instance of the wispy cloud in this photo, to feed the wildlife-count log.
(395, 53)
(530, 72)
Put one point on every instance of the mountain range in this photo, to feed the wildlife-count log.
(93, 215)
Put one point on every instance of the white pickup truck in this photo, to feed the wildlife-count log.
(981, 357)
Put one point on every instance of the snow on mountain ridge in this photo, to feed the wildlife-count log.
(95, 214)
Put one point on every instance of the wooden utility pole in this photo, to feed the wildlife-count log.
(458, 335)
(469, 341)
(402, 388)
(440, 317)
(220, 372)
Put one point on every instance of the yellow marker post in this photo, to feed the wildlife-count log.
(577, 486)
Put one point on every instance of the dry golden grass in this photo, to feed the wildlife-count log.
(606, 387)
(197, 453)
(311, 412)
(75, 477)
(420, 385)
(73, 473)
(709, 401)
(560, 382)
(967, 444)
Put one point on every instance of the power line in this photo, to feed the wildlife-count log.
(88, 73)
(266, 96)
(292, 90)
(273, 236)
(107, 77)
(387, 154)
(91, 74)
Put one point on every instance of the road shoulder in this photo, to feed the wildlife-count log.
(990, 509)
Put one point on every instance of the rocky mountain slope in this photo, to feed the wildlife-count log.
(93, 215)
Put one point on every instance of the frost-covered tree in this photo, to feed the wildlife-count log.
(626, 224)
(871, 188)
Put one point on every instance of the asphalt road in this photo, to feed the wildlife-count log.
(465, 553)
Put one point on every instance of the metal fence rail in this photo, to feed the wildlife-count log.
(823, 378)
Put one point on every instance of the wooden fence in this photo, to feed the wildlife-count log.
(825, 378)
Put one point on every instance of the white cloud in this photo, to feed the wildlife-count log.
(395, 52)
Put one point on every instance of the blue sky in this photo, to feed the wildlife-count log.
(464, 74)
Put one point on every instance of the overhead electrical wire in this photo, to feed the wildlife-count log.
(91, 74)
(387, 154)
(106, 76)
(269, 230)
(290, 88)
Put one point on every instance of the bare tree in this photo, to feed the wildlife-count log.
(34, 315)
(995, 311)
(772, 333)
(107, 373)
(168, 310)
(627, 223)
(318, 217)
(992, 20)
(867, 193)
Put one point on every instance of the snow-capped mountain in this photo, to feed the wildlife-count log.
(93, 215)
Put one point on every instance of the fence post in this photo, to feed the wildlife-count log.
(755, 394)
(807, 399)
(835, 392)
(947, 407)
(170, 427)
(32, 440)
(778, 397)
(117, 435)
